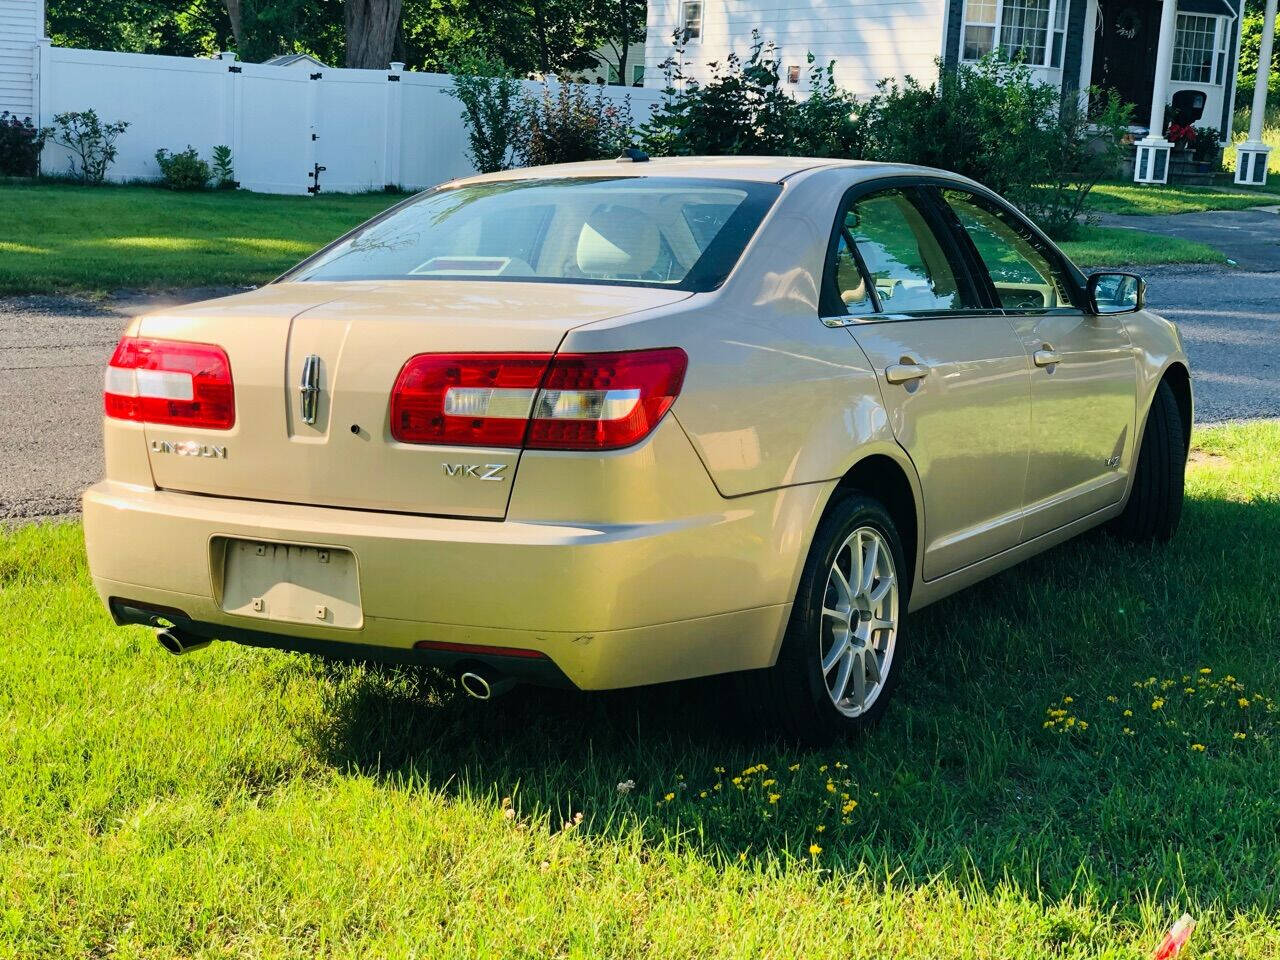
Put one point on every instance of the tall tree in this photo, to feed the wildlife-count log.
(619, 24)
(372, 28)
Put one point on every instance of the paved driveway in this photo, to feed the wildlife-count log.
(53, 349)
(1249, 237)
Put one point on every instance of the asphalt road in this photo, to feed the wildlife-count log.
(53, 350)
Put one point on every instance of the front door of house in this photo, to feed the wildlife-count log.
(1124, 51)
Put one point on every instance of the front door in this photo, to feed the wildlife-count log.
(1124, 51)
(953, 375)
(1083, 373)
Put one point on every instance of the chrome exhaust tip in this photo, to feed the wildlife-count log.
(480, 686)
(179, 642)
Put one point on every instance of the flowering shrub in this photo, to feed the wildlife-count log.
(491, 109)
(91, 142)
(20, 146)
(571, 125)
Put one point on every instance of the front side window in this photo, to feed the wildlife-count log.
(1024, 275)
(691, 19)
(1195, 47)
(1033, 31)
(651, 231)
(886, 253)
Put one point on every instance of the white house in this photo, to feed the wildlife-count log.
(1072, 44)
(21, 27)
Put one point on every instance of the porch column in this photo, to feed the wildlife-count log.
(1151, 165)
(1251, 156)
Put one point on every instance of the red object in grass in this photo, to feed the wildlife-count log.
(1175, 939)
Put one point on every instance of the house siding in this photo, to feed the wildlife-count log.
(21, 26)
(869, 40)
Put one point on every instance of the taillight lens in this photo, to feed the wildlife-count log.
(170, 382)
(584, 401)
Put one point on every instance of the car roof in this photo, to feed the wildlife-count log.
(760, 169)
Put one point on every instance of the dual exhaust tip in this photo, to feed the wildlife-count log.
(479, 683)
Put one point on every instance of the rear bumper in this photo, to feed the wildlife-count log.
(610, 605)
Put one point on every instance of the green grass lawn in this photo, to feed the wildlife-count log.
(62, 237)
(1121, 247)
(248, 803)
(1146, 200)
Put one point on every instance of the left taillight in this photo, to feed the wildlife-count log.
(579, 401)
(170, 382)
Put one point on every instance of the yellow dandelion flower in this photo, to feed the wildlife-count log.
(1198, 747)
(775, 797)
(1128, 732)
(737, 781)
(1068, 700)
(1084, 725)
(794, 767)
(668, 798)
(1112, 698)
(831, 787)
(814, 849)
(1071, 721)
(1205, 671)
(721, 770)
(703, 794)
(1243, 702)
(820, 827)
(1188, 689)
(1128, 713)
(742, 857)
(1157, 703)
(823, 768)
(716, 786)
(848, 807)
(1229, 678)
(1238, 736)
(768, 783)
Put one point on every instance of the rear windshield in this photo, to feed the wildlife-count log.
(649, 231)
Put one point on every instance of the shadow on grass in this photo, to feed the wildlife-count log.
(962, 777)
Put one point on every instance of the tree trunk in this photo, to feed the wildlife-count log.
(372, 26)
(624, 47)
(233, 14)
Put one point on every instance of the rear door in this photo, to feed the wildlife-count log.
(1083, 375)
(349, 342)
(953, 375)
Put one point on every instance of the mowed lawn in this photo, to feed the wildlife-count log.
(63, 238)
(67, 238)
(1083, 749)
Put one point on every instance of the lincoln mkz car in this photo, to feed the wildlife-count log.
(620, 423)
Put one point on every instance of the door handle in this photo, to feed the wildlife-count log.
(904, 372)
(1046, 357)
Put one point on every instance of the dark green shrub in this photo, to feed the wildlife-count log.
(492, 109)
(92, 143)
(184, 170)
(20, 146)
(572, 125)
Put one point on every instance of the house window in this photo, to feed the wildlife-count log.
(1195, 48)
(691, 20)
(637, 75)
(613, 74)
(1034, 31)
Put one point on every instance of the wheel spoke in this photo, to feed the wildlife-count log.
(873, 665)
(844, 594)
(881, 590)
(859, 680)
(833, 656)
(869, 564)
(874, 626)
(842, 675)
(841, 615)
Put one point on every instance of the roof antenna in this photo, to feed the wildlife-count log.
(634, 155)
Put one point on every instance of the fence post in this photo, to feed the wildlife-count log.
(42, 84)
(313, 151)
(393, 117)
(231, 108)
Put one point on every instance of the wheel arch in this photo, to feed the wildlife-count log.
(892, 482)
(1179, 379)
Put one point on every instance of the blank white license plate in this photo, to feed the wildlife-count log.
(283, 582)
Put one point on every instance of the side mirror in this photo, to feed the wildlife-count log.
(1111, 293)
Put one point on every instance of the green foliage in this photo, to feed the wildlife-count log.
(1250, 48)
(492, 109)
(223, 169)
(186, 28)
(184, 170)
(92, 143)
(572, 124)
(20, 145)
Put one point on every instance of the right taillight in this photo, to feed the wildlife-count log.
(170, 382)
(581, 401)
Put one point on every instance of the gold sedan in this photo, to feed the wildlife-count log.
(619, 423)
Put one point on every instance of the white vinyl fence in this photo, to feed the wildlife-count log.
(287, 127)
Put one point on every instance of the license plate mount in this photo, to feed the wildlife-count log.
(291, 583)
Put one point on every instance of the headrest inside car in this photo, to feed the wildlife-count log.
(618, 241)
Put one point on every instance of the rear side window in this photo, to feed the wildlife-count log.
(650, 231)
(887, 253)
(1023, 274)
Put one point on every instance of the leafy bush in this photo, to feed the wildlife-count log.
(183, 171)
(224, 174)
(20, 146)
(492, 109)
(92, 143)
(572, 125)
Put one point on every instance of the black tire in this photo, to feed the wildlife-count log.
(792, 698)
(1155, 502)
